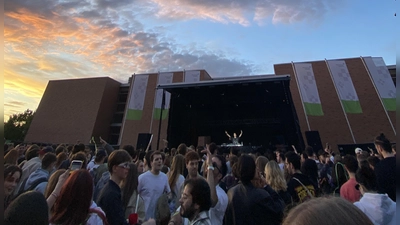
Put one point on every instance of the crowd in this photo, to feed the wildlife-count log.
(198, 186)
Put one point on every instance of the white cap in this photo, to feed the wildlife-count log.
(358, 150)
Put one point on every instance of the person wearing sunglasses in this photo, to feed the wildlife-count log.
(379, 208)
(110, 199)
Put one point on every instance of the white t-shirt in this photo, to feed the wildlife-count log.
(218, 211)
(281, 165)
(151, 187)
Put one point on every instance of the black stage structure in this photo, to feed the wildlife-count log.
(261, 106)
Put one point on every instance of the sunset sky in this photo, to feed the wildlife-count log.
(60, 39)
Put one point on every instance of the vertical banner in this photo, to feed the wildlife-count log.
(192, 76)
(137, 95)
(308, 89)
(344, 85)
(383, 81)
(163, 78)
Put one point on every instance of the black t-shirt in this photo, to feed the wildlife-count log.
(296, 190)
(385, 172)
(235, 140)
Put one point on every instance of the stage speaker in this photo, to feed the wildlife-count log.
(314, 140)
(203, 140)
(143, 140)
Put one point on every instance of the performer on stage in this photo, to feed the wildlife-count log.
(235, 138)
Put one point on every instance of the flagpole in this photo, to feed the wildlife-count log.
(301, 97)
(341, 104)
(377, 92)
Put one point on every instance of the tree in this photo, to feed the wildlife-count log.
(17, 126)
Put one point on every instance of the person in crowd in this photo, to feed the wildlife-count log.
(348, 190)
(274, 177)
(132, 152)
(358, 151)
(235, 139)
(310, 169)
(12, 175)
(33, 161)
(300, 186)
(202, 156)
(230, 179)
(362, 158)
(51, 184)
(339, 175)
(182, 149)
(216, 169)
(372, 161)
(327, 211)
(175, 180)
(131, 200)
(30, 208)
(250, 205)
(74, 205)
(303, 157)
(11, 157)
(378, 207)
(325, 183)
(61, 148)
(110, 198)
(98, 160)
(61, 157)
(38, 180)
(78, 148)
(385, 170)
(152, 184)
(258, 180)
(195, 202)
(192, 163)
(140, 166)
(280, 159)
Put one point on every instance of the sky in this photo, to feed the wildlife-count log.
(60, 39)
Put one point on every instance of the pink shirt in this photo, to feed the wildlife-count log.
(349, 192)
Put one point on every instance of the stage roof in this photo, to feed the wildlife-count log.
(225, 81)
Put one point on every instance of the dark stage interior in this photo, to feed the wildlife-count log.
(261, 107)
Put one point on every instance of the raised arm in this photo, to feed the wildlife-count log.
(227, 134)
(241, 132)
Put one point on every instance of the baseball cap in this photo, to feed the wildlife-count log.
(358, 150)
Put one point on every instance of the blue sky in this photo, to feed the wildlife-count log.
(53, 39)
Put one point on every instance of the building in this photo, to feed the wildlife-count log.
(193, 107)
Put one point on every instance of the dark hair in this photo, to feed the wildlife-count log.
(129, 184)
(182, 149)
(234, 151)
(212, 147)
(153, 154)
(100, 155)
(117, 157)
(373, 160)
(60, 158)
(294, 159)
(224, 167)
(131, 150)
(148, 158)
(9, 170)
(72, 205)
(309, 150)
(11, 157)
(199, 149)
(48, 159)
(310, 169)
(60, 149)
(351, 163)
(80, 156)
(366, 176)
(200, 191)
(246, 168)
(78, 148)
(190, 156)
(382, 141)
(282, 156)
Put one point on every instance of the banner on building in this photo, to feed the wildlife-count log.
(308, 89)
(163, 78)
(344, 86)
(383, 81)
(137, 97)
(192, 76)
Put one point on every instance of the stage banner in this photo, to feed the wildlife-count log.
(308, 89)
(383, 81)
(137, 95)
(192, 76)
(344, 85)
(163, 78)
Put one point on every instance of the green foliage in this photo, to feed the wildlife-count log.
(17, 125)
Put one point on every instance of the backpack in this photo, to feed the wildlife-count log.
(162, 213)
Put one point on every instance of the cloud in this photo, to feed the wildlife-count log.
(14, 104)
(245, 12)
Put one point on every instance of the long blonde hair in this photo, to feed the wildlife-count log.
(274, 176)
(177, 167)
